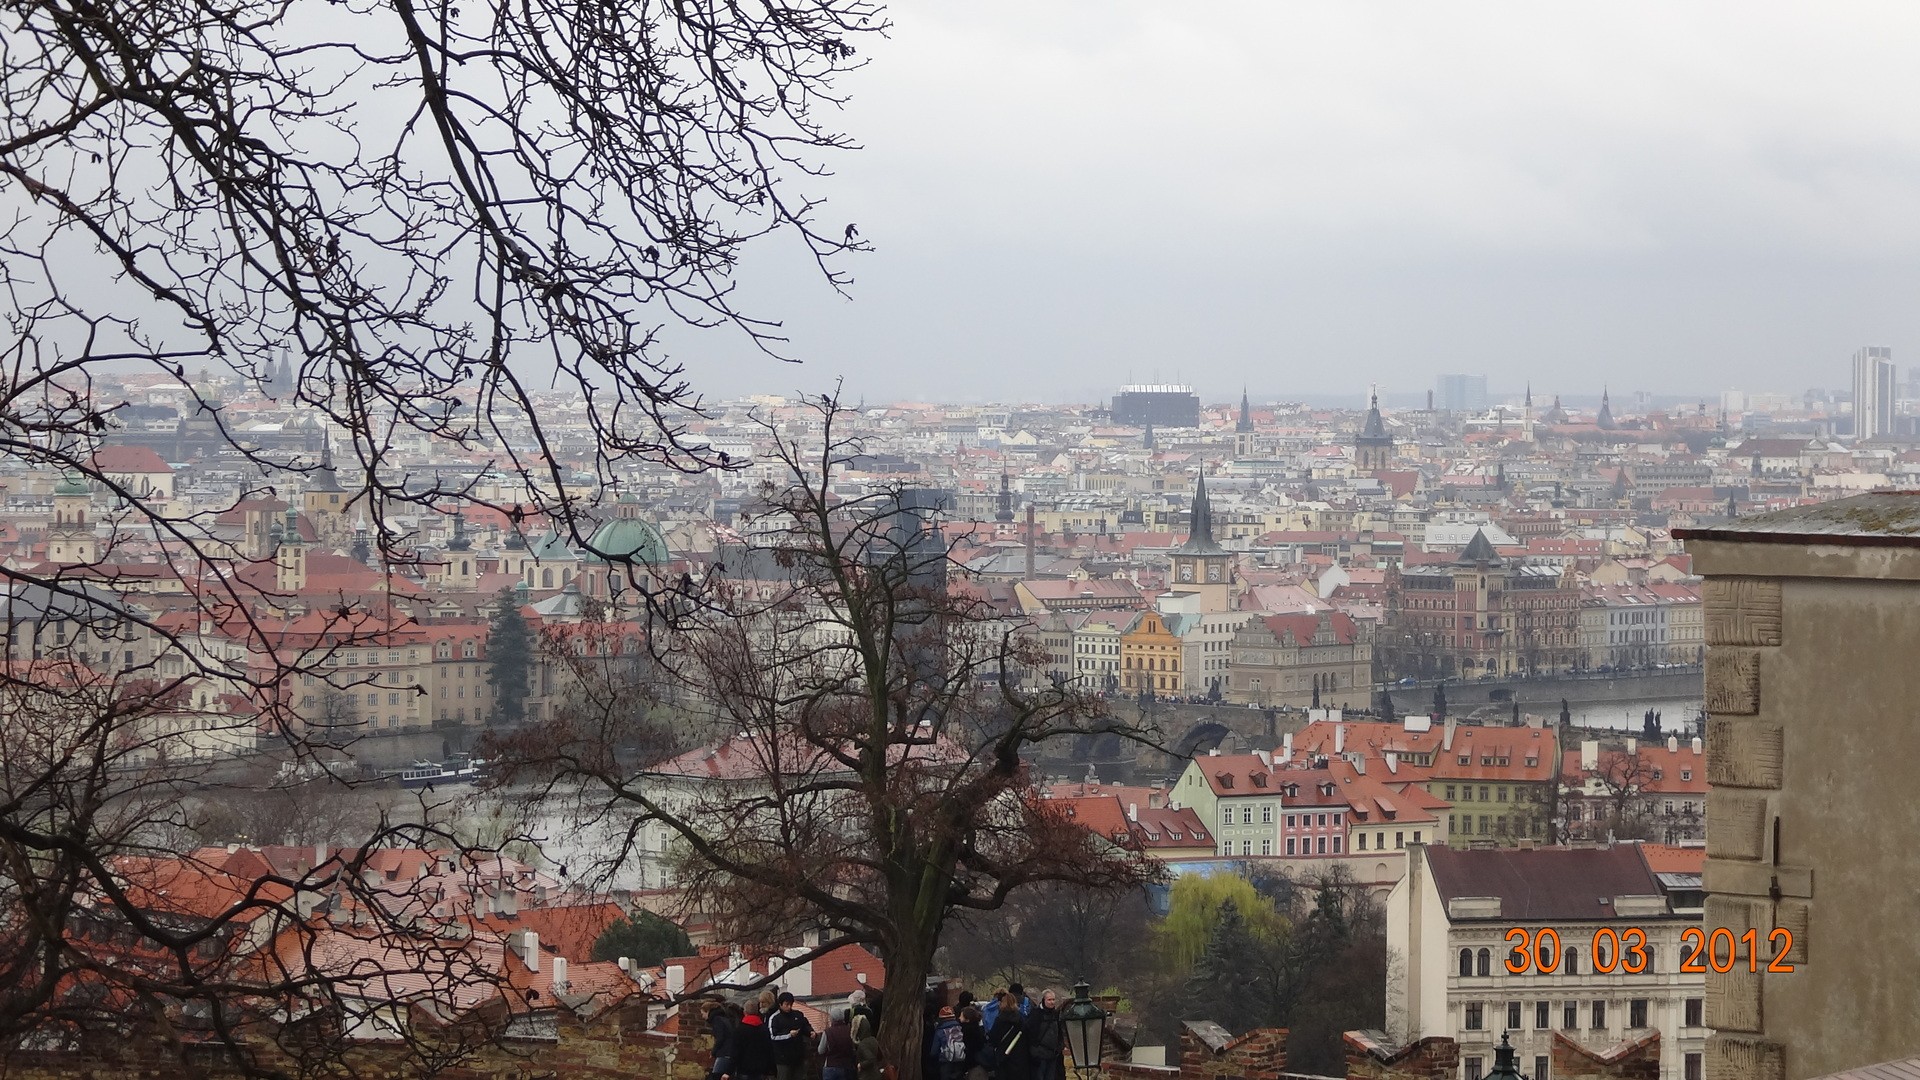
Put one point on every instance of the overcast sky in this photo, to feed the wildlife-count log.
(1065, 195)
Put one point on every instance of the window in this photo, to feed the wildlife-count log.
(1246, 847)
(1322, 846)
(1542, 1015)
(1266, 847)
(1338, 819)
(1476, 1016)
(1599, 1015)
(1569, 1013)
(1416, 836)
(1336, 845)
(1696, 1012)
(1290, 843)
(1502, 792)
(1482, 962)
(1572, 966)
(1513, 1016)
(1363, 841)
(1226, 847)
(1266, 815)
(1450, 793)
(1399, 840)
(1323, 821)
(1483, 793)
(1246, 815)
(1540, 1063)
(1637, 1013)
(1483, 824)
(1696, 1070)
(1474, 1069)
(1290, 821)
(1226, 815)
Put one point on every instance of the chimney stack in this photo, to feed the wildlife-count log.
(676, 980)
(1589, 753)
(1339, 738)
(527, 944)
(1673, 744)
(1029, 541)
(559, 974)
(1133, 811)
(1697, 746)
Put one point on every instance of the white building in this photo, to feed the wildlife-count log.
(1873, 392)
(1449, 922)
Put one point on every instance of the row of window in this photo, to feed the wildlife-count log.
(1293, 821)
(1570, 1013)
(1481, 964)
(1305, 845)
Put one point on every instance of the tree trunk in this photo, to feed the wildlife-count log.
(903, 1005)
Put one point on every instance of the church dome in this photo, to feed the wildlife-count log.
(629, 538)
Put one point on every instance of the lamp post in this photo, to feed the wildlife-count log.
(1086, 1026)
(1506, 1062)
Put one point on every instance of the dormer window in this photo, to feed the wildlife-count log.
(1465, 760)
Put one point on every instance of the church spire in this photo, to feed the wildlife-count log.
(1605, 419)
(1246, 413)
(1003, 512)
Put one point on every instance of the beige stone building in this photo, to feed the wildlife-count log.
(1811, 634)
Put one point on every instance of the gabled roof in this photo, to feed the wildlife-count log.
(1479, 550)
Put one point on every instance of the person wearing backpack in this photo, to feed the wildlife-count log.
(721, 1025)
(1010, 1056)
(950, 1046)
(838, 1056)
(975, 1032)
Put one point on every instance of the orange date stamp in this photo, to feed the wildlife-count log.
(1625, 951)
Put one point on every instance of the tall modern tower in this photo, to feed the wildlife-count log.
(1873, 392)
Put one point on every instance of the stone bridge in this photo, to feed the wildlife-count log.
(1188, 728)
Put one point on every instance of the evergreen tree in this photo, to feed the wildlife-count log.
(1224, 987)
(509, 661)
(645, 937)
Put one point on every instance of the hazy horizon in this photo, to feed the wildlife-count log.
(1307, 201)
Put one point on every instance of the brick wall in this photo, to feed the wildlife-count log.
(1210, 1052)
(1636, 1060)
(1368, 1058)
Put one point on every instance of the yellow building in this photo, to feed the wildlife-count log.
(1149, 656)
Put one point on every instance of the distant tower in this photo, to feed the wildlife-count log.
(1373, 447)
(1246, 413)
(290, 558)
(70, 539)
(1147, 441)
(1605, 419)
(1526, 415)
(1201, 566)
(459, 573)
(1003, 513)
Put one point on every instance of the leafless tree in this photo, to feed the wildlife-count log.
(426, 211)
(873, 784)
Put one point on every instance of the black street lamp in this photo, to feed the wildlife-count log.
(1086, 1030)
(1506, 1062)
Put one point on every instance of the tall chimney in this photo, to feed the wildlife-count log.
(1696, 746)
(560, 974)
(1133, 811)
(1589, 753)
(1339, 738)
(1029, 541)
(1673, 744)
(1286, 747)
(528, 946)
(676, 980)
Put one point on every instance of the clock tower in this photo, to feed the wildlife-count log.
(1201, 566)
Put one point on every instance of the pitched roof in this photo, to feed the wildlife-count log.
(1535, 884)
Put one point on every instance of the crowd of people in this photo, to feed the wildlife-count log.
(1007, 1036)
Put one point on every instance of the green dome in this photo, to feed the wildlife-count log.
(629, 538)
(72, 484)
